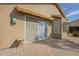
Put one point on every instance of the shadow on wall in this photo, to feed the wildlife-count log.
(17, 43)
(19, 16)
(12, 15)
(14, 44)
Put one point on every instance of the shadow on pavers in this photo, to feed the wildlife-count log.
(14, 44)
(55, 43)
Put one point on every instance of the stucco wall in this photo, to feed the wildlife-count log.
(64, 34)
(49, 29)
(9, 33)
(44, 9)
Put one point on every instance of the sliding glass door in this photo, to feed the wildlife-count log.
(42, 31)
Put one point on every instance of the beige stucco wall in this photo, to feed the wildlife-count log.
(9, 33)
(44, 9)
(64, 34)
(49, 29)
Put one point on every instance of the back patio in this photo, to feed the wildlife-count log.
(49, 47)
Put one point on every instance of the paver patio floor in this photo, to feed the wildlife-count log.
(47, 47)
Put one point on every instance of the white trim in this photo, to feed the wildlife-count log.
(38, 27)
(25, 28)
(25, 31)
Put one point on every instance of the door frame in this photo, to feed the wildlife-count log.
(25, 40)
(59, 19)
(25, 18)
(25, 29)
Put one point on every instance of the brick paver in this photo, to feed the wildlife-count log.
(41, 48)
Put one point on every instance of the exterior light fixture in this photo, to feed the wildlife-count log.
(13, 21)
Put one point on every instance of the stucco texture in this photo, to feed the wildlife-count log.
(8, 32)
(64, 34)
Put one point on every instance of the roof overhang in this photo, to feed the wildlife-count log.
(74, 23)
(26, 11)
(60, 10)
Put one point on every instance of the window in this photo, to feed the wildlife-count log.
(64, 27)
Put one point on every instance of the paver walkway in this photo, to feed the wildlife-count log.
(48, 47)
